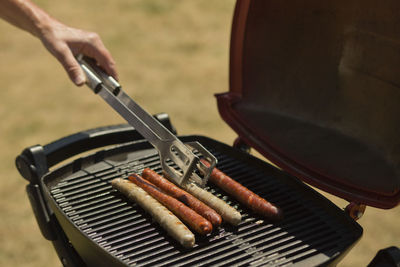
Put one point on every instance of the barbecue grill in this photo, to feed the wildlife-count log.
(300, 87)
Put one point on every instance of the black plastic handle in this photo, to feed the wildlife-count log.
(35, 161)
(77, 143)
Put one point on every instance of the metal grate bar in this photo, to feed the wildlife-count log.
(131, 225)
(94, 206)
(91, 193)
(106, 213)
(110, 222)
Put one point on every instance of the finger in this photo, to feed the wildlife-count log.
(71, 66)
(96, 49)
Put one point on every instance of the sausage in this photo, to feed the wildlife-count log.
(183, 196)
(228, 213)
(160, 213)
(189, 216)
(256, 203)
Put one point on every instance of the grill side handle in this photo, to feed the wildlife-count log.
(33, 165)
(84, 141)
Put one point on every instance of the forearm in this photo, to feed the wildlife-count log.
(62, 41)
(25, 15)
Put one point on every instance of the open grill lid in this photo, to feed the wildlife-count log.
(314, 87)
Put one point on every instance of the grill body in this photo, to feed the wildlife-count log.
(105, 229)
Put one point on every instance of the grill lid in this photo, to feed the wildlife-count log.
(314, 88)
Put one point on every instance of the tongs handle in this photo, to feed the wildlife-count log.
(170, 148)
(96, 77)
(111, 91)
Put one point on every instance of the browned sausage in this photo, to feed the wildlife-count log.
(183, 196)
(244, 195)
(189, 216)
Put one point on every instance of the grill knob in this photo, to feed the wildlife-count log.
(25, 167)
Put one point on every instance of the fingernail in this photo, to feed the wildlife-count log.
(79, 80)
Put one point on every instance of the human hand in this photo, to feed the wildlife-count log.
(65, 43)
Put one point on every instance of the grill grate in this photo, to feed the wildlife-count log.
(307, 234)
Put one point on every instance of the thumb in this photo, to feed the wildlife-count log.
(72, 67)
(76, 74)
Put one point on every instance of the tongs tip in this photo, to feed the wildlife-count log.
(198, 169)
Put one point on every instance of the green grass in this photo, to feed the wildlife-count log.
(172, 57)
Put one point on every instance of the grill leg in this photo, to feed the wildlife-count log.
(386, 257)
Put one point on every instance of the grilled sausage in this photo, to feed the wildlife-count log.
(160, 213)
(228, 213)
(183, 196)
(258, 204)
(189, 216)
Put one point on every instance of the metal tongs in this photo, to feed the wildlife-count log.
(178, 160)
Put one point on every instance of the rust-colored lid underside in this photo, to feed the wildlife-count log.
(314, 87)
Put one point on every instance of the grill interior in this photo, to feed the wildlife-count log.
(313, 230)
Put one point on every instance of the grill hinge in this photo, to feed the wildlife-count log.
(355, 210)
(240, 144)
